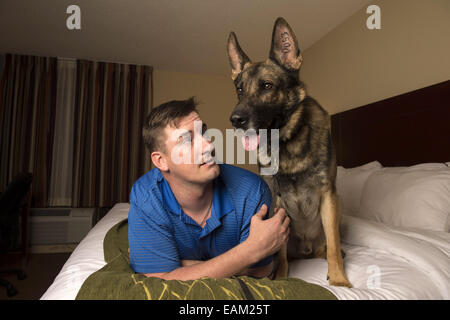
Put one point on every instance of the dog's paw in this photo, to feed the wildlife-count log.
(339, 281)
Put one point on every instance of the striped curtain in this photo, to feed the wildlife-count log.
(60, 189)
(110, 104)
(27, 109)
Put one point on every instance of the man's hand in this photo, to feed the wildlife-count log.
(268, 236)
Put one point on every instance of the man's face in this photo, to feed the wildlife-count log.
(189, 155)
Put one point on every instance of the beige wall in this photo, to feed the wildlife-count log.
(353, 66)
(215, 93)
(350, 67)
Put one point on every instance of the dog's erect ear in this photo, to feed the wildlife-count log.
(284, 49)
(237, 57)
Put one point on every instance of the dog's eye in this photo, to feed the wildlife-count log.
(239, 91)
(267, 85)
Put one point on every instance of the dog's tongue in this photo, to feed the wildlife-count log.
(250, 142)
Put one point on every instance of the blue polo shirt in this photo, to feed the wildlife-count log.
(160, 234)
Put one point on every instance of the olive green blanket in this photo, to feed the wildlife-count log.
(116, 280)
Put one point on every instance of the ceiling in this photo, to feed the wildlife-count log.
(176, 35)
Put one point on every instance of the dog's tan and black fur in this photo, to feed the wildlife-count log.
(271, 96)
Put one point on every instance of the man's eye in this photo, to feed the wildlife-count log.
(184, 140)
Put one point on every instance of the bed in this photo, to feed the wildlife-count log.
(394, 186)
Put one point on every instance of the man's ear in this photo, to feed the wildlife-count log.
(159, 160)
(284, 49)
(236, 55)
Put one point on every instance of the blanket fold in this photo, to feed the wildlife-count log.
(116, 280)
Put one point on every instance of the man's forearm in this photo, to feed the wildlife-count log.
(230, 263)
(257, 272)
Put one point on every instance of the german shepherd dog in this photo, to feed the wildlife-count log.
(271, 96)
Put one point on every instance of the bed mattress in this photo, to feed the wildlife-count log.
(382, 262)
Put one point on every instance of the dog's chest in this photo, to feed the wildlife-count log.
(299, 196)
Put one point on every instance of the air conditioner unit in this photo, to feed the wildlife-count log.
(49, 226)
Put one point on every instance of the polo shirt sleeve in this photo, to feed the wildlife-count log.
(264, 197)
(152, 245)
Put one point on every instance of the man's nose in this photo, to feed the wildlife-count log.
(208, 148)
(207, 144)
(239, 119)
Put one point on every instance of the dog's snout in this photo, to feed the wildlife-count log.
(238, 120)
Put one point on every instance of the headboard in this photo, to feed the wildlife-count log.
(403, 130)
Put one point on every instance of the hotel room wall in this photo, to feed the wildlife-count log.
(215, 94)
(352, 66)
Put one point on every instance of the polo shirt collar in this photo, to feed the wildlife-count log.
(221, 206)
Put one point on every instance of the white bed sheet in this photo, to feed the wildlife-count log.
(384, 262)
(86, 258)
(381, 262)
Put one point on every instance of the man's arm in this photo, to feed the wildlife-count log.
(266, 237)
(257, 272)
(225, 265)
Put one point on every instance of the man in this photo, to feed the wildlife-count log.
(193, 219)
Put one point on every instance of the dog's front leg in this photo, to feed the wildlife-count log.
(283, 267)
(329, 214)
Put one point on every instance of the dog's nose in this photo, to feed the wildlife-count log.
(238, 121)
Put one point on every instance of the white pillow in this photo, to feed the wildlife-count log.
(350, 183)
(422, 166)
(416, 197)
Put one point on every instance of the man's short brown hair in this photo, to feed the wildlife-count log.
(167, 113)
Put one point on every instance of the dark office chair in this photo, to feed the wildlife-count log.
(11, 206)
